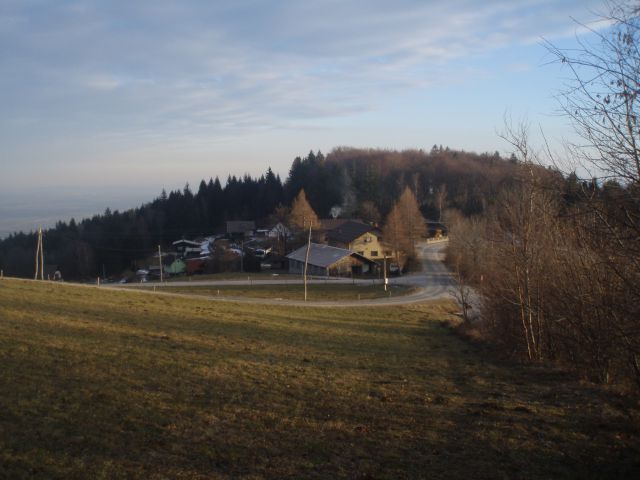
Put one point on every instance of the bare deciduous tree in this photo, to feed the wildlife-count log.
(441, 199)
(404, 225)
(602, 102)
(302, 216)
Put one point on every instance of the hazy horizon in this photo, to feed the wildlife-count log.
(26, 209)
(103, 100)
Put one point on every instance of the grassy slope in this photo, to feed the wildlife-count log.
(107, 384)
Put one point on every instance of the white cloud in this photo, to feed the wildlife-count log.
(169, 71)
(102, 82)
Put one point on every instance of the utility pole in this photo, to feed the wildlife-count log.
(306, 262)
(39, 257)
(35, 276)
(160, 262)
(385, 273)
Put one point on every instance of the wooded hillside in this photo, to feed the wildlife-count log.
(347, 182)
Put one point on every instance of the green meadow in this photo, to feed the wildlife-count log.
(98, 383)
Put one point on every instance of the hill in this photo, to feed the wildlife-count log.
(353, 183)
(110, 384)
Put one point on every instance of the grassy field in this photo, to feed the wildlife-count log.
(114, 384)
(318, 292)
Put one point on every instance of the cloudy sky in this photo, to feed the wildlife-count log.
(125, 96)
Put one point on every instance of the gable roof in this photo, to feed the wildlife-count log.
(433, 225)
(349, 231)
(331, 223)
(182, 241)
(320, 255)
(240, 226)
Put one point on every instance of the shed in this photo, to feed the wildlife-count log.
(195, 265)
(177, 267)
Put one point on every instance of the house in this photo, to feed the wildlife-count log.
(195, 265)
(436, 229)
(240, 228)
(327, 224)
(328, 260)
(359, 237)
(176, 267)
(274, 261)
(279, 230)
(187, 248)
(206, 247)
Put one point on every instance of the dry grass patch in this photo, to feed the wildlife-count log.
(113, 384)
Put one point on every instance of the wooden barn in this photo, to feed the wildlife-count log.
(325, 260)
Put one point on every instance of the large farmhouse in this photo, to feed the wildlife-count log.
(326, 260)
(359, 237)
(188, 248)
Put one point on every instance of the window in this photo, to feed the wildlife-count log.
(360, 253)
(374, 253)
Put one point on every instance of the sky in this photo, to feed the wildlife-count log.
(105, 103)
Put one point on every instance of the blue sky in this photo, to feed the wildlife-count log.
(137, 96)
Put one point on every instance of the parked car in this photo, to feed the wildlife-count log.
(262, 252)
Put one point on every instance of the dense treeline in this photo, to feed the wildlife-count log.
(110, 242)
(347, 182)
(552, 280)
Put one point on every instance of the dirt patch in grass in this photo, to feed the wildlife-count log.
(113, 384)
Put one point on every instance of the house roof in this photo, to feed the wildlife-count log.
(349, 231)
(240, 226)
(278, 226)
(331, 223)
(186, 242)
(433, 225)
(322, 255)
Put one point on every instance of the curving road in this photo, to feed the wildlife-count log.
(433, 282)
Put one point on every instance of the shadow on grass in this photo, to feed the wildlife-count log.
(113, 385)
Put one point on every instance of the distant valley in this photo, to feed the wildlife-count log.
(27, 210)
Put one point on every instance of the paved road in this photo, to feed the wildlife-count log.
(434, 282)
